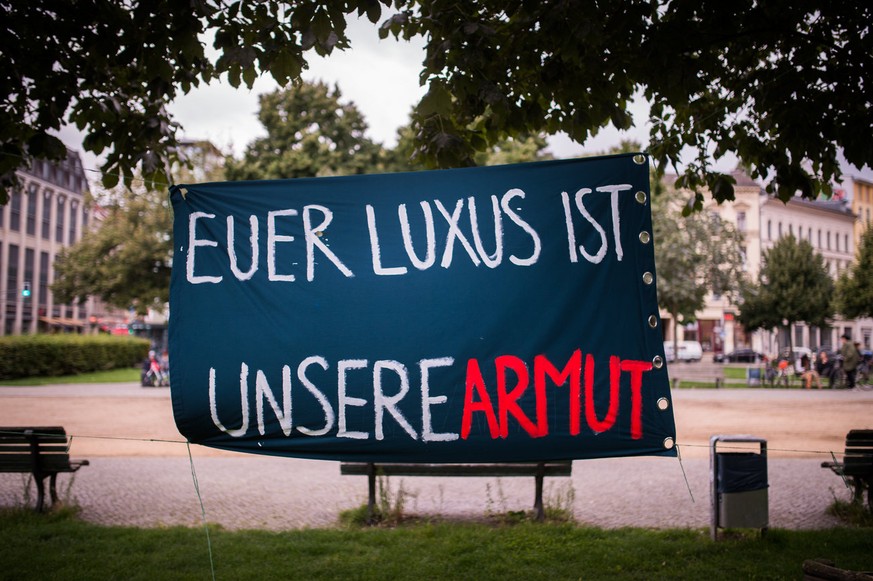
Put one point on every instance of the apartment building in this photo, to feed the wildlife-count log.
(828, 225)
(48, 212)
(857, 186)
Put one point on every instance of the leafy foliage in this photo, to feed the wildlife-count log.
(110, 66)
(309, 133)
(777, 83)
(780, 84)
(127, 260)
(794, 285)
(854, 290)
(694, 254)
(66, 354)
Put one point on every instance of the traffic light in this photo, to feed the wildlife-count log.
(25, 290)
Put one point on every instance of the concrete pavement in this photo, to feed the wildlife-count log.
(247, 491)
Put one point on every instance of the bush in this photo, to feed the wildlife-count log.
(54, 355)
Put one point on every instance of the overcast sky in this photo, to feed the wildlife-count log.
(379, 76)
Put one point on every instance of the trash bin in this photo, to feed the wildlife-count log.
(739, 485)
(753, 376)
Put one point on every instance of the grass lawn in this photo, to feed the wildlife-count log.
(112, 376)
(61, 546)
(737, 371)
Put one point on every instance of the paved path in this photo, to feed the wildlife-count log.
(276, 493)
(247, 491)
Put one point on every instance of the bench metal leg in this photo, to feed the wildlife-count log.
(52, 488)
(371, 498)
(40, 492)
(538, 493)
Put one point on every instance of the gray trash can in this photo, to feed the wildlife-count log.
(739, 485)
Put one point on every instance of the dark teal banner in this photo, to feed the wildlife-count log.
(471, 315)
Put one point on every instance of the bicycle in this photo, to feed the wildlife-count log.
(863, 377)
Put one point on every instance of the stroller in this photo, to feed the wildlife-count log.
(152, 375)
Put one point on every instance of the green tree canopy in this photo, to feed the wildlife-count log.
(777, 83)
(309, 133)
(854, 292)
(126, 261)
(694, 255)
(793, 286)
(783, 85)
(127, 258)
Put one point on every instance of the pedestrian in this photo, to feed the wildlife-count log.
(809, 373)
(825, 368)
(851, 358)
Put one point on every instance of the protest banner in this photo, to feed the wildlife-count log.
(488, 314)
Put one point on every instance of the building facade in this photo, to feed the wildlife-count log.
(828, 225)
(857, 186)
(46, 213)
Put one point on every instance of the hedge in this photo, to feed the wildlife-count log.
(56, 355)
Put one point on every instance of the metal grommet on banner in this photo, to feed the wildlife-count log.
(653, 321)
(657, 362)
(645, 237)
(648, 278)
(663, 403)
(639, 159)
(668, 443)
(640, 197)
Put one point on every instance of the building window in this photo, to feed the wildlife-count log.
(74, 208)
(791, 230)
(779, 230)
(59, 221)
(29, 256)
(46, 215)
(769, 229)
(30, 219)
(809, 235)
(12, 275)
(819, 239)
(846, 242)
(829, 241)
(15, 212)
(741, 221)
(43, 278)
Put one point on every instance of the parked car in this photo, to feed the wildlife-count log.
(688, 351)
(738, 356)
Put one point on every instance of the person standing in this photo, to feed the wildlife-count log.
(851, 358)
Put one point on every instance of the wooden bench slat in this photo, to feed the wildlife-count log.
(25, 448)
(40, 450)
(483, 470)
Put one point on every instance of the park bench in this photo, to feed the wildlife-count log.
(857, 465)
(41, 451)
(539, 470)
(826, 570)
